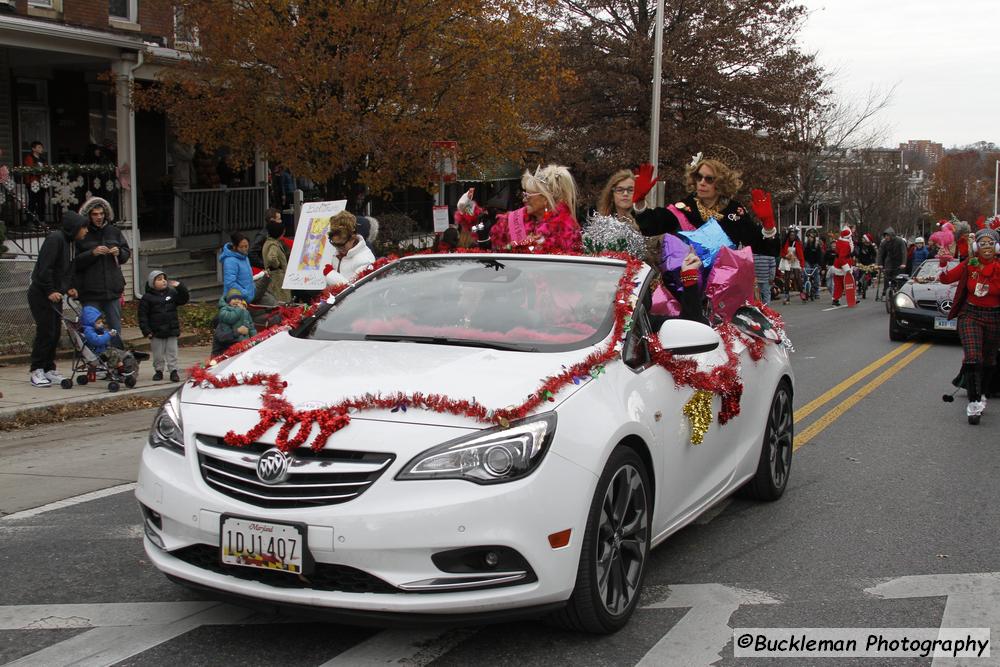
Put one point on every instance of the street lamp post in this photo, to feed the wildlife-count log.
(654, 121)
(996, 186)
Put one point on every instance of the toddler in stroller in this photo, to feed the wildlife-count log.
(94, 358)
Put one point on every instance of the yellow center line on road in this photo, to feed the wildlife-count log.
(817, 426)
(827, 396)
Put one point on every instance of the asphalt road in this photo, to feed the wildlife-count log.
(889, 520)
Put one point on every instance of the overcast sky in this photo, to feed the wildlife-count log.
(944, 56)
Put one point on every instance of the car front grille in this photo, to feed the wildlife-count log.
(315, 479)
(324, 577)
(929, 304)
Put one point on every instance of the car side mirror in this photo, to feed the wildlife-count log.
(688, 337)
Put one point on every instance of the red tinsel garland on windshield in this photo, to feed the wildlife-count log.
(296, 425)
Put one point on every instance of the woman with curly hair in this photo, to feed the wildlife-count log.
(546, 222)
(712, 188)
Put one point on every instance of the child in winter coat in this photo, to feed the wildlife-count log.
(158, 321)
(98, 337)
(235, 323)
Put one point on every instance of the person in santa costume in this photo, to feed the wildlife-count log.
(841, 265)
(977, 309)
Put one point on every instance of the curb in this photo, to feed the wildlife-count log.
(161, 391)
(140, 344)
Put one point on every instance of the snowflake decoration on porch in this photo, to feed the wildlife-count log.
(110, 184)
(65, 191)
(97, 183)
(46, 181)
(9, 184)
(3, 197)
(35, 187)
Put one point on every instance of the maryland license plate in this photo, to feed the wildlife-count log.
(264, 545)
(945, 324)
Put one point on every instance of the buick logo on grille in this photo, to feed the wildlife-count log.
(272, 466)
(945, 306)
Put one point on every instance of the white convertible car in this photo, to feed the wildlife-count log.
(418, 511)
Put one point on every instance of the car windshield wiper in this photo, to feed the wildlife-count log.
(441, 340)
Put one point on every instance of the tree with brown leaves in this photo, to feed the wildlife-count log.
(333, 86)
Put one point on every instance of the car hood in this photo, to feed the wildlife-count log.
(321, 373)
(922, 291)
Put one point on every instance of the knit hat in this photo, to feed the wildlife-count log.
(868, 237)
(233, 293)
(992, 233)
(919, 239)
(152, 276)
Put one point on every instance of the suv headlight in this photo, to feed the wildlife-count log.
(168, 429)
(487, 457)
(904, 301)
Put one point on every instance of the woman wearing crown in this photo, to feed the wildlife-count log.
(712, 186)
(547, 221)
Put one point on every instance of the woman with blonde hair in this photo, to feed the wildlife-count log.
(546, 222)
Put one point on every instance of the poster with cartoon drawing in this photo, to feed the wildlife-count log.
(311, 250)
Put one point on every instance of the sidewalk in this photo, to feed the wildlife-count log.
(20, 396)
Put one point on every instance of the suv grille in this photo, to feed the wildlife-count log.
(325, 576)
(326, 477)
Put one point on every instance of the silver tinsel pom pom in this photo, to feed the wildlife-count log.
(606, 232)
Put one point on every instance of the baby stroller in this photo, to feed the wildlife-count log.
(117, 367)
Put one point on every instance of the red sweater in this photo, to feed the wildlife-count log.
(986, 273)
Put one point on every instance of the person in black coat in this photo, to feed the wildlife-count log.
(99, 257)
(158, 321)
(51, 278)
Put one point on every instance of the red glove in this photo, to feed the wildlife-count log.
(327, 269)
(760, 202)
(644, 182)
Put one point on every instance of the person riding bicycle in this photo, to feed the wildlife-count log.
(814, 253)
(891, 258)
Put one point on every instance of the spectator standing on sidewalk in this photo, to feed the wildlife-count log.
(36, 195)
(99, 257)
(158, 321)
(50, 280)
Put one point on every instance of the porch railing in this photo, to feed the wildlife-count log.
(217, 211)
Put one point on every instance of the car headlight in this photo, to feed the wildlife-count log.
(487, 457)
(904, 301)
(168, 429)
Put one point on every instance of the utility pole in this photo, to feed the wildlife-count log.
(654, 122)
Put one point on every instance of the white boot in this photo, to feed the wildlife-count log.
(975, 408)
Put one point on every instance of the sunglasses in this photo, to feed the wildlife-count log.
(704, 177)
(623, 191)
(525, 196)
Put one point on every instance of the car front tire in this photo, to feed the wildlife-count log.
(775, 463)
(615, 548)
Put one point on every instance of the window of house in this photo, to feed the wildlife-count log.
(124, 10)
(47, 4)
(185, 34)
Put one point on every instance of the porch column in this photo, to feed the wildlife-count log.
(260, 174)
(124, 79)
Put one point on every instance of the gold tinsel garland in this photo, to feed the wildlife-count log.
(698, 410)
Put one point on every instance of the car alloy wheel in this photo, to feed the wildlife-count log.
(622, 536)
(775, 463)
(614, 550)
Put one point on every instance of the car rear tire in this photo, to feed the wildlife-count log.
(615, 549)
(775, 463)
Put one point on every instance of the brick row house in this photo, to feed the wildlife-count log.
(66, 67)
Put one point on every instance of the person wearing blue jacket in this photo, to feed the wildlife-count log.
(236, 271)
(98, 337)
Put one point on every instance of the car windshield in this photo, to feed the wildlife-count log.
(524, 304)
(930, 269)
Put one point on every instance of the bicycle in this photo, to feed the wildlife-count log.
(810, 284)
(892, 286)
(869, 276)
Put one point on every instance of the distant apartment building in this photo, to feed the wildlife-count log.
(921, 153)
